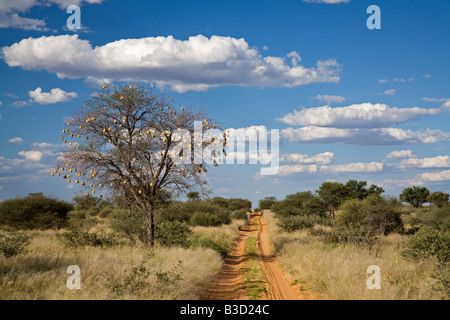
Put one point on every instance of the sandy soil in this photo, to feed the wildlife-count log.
(229, 284)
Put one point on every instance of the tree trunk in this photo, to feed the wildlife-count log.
(150, 225)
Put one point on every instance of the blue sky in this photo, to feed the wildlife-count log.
(350, 103)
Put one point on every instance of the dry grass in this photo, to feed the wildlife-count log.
(221, 238)
(339, 272)
(41, 273)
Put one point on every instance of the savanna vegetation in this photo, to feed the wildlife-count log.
(144, 244)
(327, 239)
(41, 236)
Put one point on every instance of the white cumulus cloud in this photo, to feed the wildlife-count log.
(321, 158)
(401, 154)
(194, 64)
(31, 155)
(54, 96)
(353, 167)
(435, 176)
(365, 115)
(329, 99)
(445, 102)
(377, 136)
(15, 140)
(390, 92)
(431, 162)
(297, 168)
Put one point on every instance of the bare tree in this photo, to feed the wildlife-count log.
(123, 140)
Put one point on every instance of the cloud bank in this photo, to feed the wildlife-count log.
(198, 63)
(362, 124)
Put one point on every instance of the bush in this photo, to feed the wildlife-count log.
(236, 204)
(184, 212)
(356, 235)
(436, 218)
(352, 213)
(377, 214)
(206, 242)
(76, 238)
(176, 210)
(86, 202)
(301, 203)
(383, 214)
(172, 233)
(209, 219)
(105, 212)
(35, 211)
(232, 204)
(439, 198)
(294, 223)
(13, 244)
(79, 219)
(266, 203)
(431, 243)
(130, 223)
(239, 214)
(289, 212)
(428, 242)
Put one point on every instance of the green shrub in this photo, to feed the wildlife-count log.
(13, 244)
(80, 219)
(172, 233)
(236, 204)
(239, 214)
(435, 244)
(86, 202)
(176, 210)
(233, 204)
(352, 213)
(94, 211)
(75, 238)
(266, 203)
(319, 232)
(356, 235)
(429, 242)
(289, 212)
(183, 211)
(300, 204)
(294, 223)
(377, 214)
(34, 211)
(206, 242)
(383, 214)
(105, 212)
(209, 219)
(221, 202)
(438, 199)
(436, 218)
(130, 223)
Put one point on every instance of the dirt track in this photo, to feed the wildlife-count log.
(229, 284)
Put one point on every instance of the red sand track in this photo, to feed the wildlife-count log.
(229, 284)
